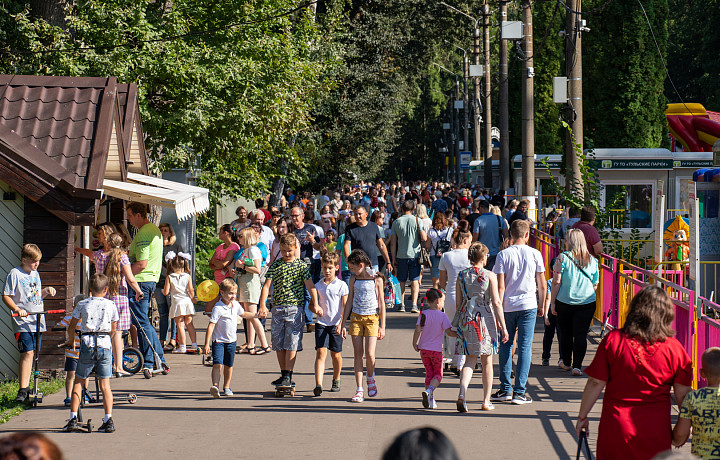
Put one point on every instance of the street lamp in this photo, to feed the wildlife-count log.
(487, 166)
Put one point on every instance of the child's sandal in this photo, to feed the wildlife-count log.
(359, 397)
(372, 388)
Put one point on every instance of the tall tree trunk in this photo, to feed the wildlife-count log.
(53, 11)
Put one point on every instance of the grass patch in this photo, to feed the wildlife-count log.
(8, 391)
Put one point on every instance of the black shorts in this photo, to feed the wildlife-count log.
(325, 337)
(70, 364)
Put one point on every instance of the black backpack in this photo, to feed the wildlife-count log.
(443, 244)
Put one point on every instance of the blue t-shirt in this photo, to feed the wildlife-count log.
(576, 287)
(439, 205)
(488, 226)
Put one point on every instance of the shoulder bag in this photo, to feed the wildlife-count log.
(424, 254)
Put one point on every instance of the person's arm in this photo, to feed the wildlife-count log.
(255, 269)
(248, 315)
(598, 248)
(505, 234)
(393, 249)
(190, 289)
(314, 304)
(554, 289)
(416, 336)
(86, 252)
(340, 327)
(381, 306)
(126, 270)
(113, 327)
(593, 390)
(208, 336)
(13, 307)
(497, 305)
(346, 247)
(501, 286)
(166, 288)
(546, 310)
(459, 297)
(680, 392)
(681, 432)
(442, 281)
(229, 257)
(383, 251)
(449, 332)
(138, 266)
(48, 291)
(542, 289)
(262, 309)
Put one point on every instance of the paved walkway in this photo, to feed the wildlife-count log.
(175, 415)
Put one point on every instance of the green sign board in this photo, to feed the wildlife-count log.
(629, 164)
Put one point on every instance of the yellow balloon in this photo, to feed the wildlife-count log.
(207, 290)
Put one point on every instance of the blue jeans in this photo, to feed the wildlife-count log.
(346, 275)
(140, 320)
(166, 325)
(524, 321)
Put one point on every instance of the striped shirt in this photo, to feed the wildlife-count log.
(70, 353)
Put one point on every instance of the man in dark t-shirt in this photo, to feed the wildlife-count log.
(366, 236)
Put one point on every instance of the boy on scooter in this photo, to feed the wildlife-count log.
(99, 318)
(24, 294)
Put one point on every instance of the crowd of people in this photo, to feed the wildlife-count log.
(335, 264)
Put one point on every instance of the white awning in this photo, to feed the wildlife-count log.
(186, 200)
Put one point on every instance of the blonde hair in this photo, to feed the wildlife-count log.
(228, 285)
(107, 228)
(249, 236)
(495, 210)
(126, 238)
(575, 243)
(113, 270)
(422, 212)
(170, 229)
(31, 251)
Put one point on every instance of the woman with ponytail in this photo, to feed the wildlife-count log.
(114, 263)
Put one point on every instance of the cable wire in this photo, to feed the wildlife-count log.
(136, 43)
(597, 9)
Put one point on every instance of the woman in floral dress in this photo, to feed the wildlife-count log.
(479, 320)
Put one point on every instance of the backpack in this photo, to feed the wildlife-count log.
(443, 244)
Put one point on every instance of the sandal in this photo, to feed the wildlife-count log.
(243, 351)
(359, 397)
(168, 347)
(252, 351)
(372, 388)
(262, 351)
(490, 406)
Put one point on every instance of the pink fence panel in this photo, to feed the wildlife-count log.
(708, 334)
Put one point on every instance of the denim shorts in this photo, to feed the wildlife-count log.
(223, 353)
(96, 358)
(325, 337)
(26, 341)
(435, 267)
(408, 268)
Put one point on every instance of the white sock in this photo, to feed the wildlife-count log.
(371, 378)
(107, 416)
(194, 344)
(430, 389)
(359, 390)
(73, 414)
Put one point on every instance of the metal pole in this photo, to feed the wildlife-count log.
(476, 101)
(456, 131)
(528, 120)
(488, 119)
(504, 112)
(466, 111)
(574, 116)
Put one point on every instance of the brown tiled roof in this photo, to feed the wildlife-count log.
(69, 119)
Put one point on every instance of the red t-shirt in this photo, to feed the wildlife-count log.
(592, 237)
(635, 421)
(268, 216)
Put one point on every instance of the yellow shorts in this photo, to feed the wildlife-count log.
(364, 325)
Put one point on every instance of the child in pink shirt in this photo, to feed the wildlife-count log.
(431, 326)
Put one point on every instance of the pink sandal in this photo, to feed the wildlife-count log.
(372, 388)
(359, 397)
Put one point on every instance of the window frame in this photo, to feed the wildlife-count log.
(651, 182)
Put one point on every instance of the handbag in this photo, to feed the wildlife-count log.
(582, 441)
(424, 254)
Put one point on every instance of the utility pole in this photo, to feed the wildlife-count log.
(451, 144)
(476, 102)
(456, 131)
(504, 111)
(488, 177)
(466, 97)
(528, 104)
(574, 112)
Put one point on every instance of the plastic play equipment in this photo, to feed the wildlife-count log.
(691, 125)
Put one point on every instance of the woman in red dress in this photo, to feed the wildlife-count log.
(637, 365)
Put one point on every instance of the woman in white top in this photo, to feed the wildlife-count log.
(438, 243)
(248, 262)
(451, 264)
(423, 216)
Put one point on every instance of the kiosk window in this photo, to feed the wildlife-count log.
(630, 205)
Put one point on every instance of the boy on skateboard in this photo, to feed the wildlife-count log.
(99, 318)
(289, 277)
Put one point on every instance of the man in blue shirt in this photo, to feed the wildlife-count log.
(490, 230)
(439, 205)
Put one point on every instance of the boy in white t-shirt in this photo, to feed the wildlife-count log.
(332, 295)
(521, 280)
(99, 317)
(222, 330)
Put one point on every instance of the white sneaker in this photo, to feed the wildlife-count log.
(577, 372)
(415, 309)
(215, 392)
(433, 404)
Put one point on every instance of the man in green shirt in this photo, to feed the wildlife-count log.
(146, 254)
(405, 239)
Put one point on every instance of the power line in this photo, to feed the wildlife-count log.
(662, 59)
(544, 40)
(597, 9)
(136, 43)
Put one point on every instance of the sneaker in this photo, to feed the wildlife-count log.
(562, 366)
(180, 350)
(546, 362)
(107, 427)
(318, 390)
(426, 399)
(72, 425)
(415, 309)
(490, 406)
(577, 372)
(461, 405)
(228, 392)
(500, 396)
(285, 382)
(521, 399)
(67, 402)
(433, 404)
(335, 386)
(215, 391)
(277, 381)
(22, 395)
(401, 309)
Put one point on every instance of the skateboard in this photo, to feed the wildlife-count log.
(284, 390)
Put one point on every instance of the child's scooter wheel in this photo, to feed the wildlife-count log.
(132, 398)
(165, 369)
(147, 373)
(89, 426)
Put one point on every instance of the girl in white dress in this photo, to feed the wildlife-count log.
(178, 285)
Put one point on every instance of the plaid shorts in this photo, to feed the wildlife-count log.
(287, 327)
